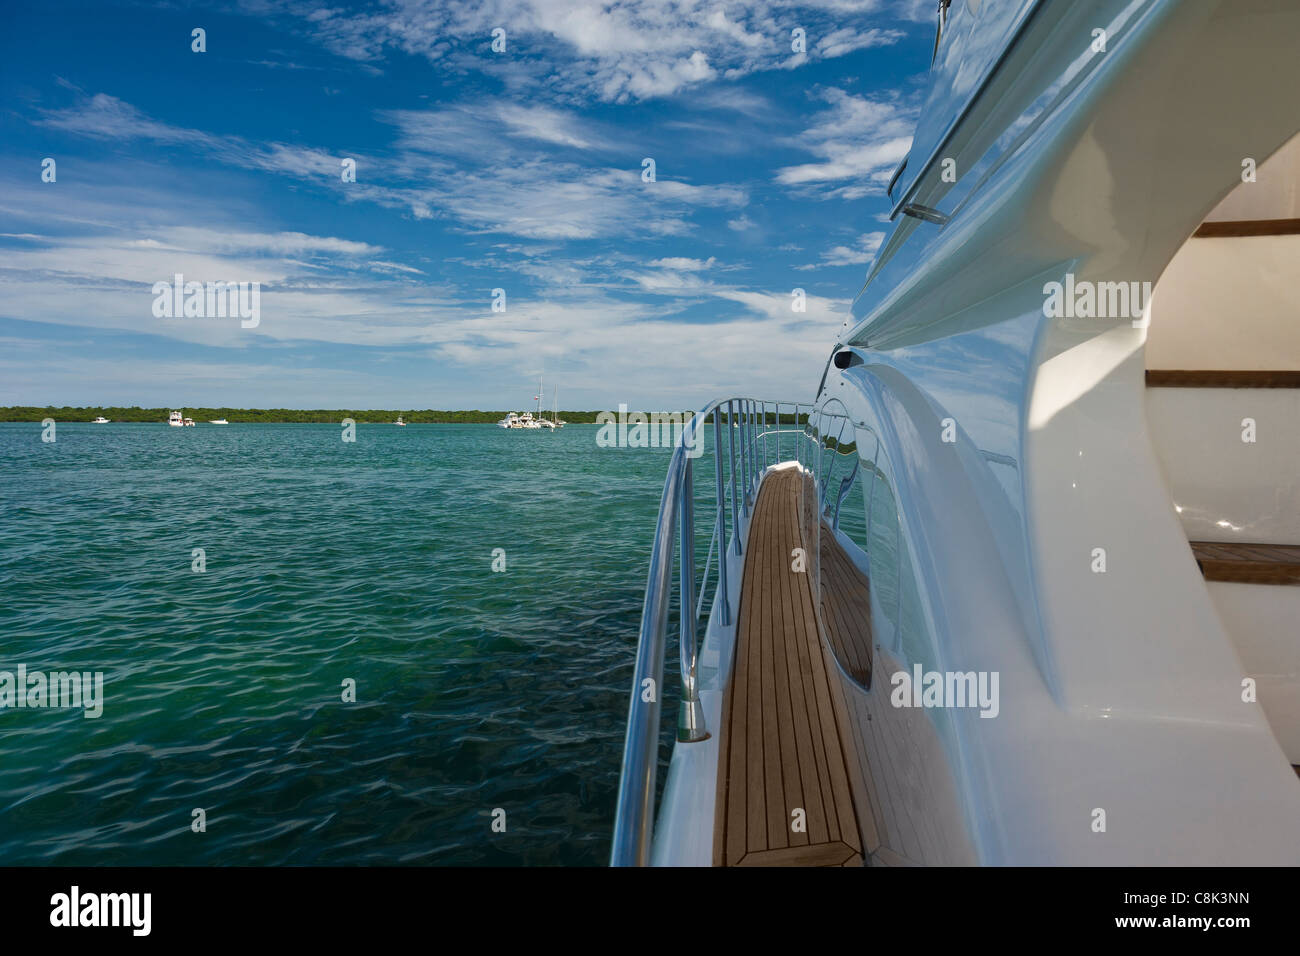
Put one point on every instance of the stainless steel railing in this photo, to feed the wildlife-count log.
(750, 446)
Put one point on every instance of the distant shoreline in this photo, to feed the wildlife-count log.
(285, 416)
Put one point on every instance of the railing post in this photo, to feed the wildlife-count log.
(753, 445)
(737, 508)
(690, 713)
(744, 451)
(778, 431)
(794, 434)
(722, 518)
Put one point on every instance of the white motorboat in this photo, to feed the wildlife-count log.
(218, 421)
(100, 420)
(1019, 585)
(400, 422)
(176, 419)
(517, 420)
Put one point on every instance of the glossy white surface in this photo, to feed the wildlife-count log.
(1228, 304)
(1222, 488)
(1275, 193)
(1262, 620)
(1120, 689)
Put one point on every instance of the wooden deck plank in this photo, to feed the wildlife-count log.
(781, 744)
(800, 622)
(792, 785)
(846, 610)
(821, 854)
(811, 771)
(778, 829)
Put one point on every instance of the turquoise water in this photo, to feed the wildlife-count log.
(325, 561)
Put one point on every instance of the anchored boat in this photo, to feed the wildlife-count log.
(1019, 584)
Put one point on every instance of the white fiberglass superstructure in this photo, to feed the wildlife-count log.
(1019, 585)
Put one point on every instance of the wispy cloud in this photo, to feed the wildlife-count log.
(857, 139)
(618, 50)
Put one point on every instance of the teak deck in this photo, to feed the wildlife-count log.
(781, 744)
(1248, 563)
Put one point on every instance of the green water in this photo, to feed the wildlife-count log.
(325, 561)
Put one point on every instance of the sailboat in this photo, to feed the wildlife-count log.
(1016, 581)
(554, 421)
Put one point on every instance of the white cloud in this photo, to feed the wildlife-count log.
(618, 50)
(860, 253)
(682, 264)
(536, 197)
(856, 138)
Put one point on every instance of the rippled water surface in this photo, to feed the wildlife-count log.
(325, 561)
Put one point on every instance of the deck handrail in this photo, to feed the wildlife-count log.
(747, 439)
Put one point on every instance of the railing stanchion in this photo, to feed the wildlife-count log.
(690, 714)
(722, 519)
(743, 505)
(744, 451)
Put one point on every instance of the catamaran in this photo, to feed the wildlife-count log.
(1018, 583)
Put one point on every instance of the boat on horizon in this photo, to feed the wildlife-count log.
(100, 420)
(218, 421)
(400, 422)
(1016, 582)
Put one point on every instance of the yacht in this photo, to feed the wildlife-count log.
(176, 419)
(100, 420)
(400, 422)
(516, 420)
(1016, 582)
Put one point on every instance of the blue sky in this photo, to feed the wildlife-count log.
(475, 170)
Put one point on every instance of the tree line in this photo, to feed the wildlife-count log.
(73, 413)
